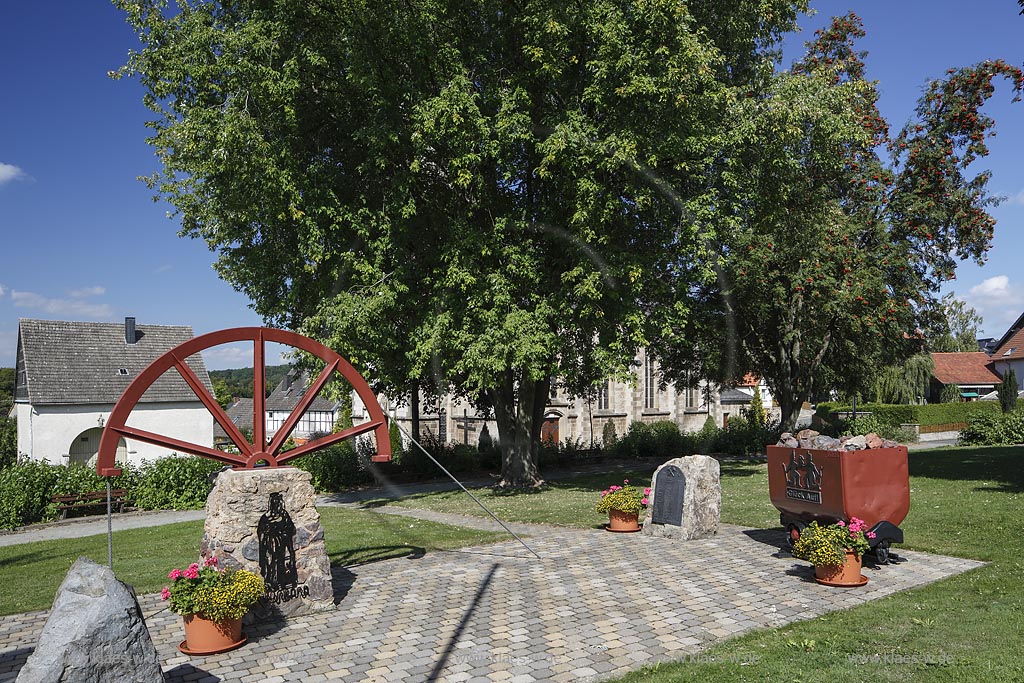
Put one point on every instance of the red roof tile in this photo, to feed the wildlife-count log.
(1012, 348)
(970, 368)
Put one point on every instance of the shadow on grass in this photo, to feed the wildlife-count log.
(1001, 464)
(741, 469)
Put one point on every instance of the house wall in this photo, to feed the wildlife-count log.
(578, 419)
(312, 421)
(47, 432)
(1003, 366)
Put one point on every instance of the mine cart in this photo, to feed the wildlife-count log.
(808, 485)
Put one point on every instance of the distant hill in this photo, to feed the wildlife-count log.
(239, 381)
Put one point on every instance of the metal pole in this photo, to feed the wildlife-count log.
(467, 491)
(110, 533)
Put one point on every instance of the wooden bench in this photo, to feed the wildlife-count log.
(98, 499)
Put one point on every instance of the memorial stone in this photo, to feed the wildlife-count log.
(685, 500)
(264, 520)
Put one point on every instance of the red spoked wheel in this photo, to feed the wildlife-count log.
(259, 450)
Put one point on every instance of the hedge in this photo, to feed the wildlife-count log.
(928, 414)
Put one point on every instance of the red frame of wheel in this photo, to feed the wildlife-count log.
(259, 450)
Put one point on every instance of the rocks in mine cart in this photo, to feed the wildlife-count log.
(787, 440)
(873, 440)
(825, 443)
(855, 443)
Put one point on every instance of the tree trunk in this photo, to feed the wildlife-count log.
(414, 409)
(519, 411)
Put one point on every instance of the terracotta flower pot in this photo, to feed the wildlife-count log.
(205, 637)
(623, 521)
(844, 575)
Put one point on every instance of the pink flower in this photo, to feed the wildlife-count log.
(194, 565)
(211, 561)
(174, 575)
(647, 491)
(871, 534)
(840, 523)
(165, 594)
(192, 572)
(643, 501)
(625, 481)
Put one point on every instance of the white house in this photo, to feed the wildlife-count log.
(319, 416)
(69, 375)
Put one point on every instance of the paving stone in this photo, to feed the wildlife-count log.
(565, 617)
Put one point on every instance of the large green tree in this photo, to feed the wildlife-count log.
(478, 196)
(952, 326)
(836, 252)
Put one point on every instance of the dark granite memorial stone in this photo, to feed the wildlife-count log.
(669, 489)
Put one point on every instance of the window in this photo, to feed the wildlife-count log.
(693, 398)
(123, 372)
(650, 384)
(602, 396)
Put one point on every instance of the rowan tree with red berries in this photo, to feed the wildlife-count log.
(840, 234)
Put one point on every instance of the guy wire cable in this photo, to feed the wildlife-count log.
(452, 477)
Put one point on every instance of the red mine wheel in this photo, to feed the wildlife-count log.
(259, 449)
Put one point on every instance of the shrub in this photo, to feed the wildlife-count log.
(744, 437)
(983, 430)
(608, 435)
(668, 442)
(756, 413)
(76, 479)
(8, 441)
(174, 483)
(25, 491)
(336, 467)
(1008, 392)
(637, 443)
(950, 394)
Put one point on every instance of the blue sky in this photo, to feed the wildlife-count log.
(83, 240)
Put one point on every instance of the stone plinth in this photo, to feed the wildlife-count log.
(264, 520)
(95, 633)
(700, 494)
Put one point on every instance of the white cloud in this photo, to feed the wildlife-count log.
(77, 305)
(999, 301)
(163, 269)
(233, 356)
(1017, 199)
(9, 172)
(87, 292)
(3, 290)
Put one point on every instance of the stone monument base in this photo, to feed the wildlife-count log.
(701, 500)
(265, 520)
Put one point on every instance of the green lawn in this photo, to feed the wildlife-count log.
(142, 557)
(964, 501)
(571, 502)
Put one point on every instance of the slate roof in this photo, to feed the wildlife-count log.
(81, 363)
(734, 397)
(240, 413)
(291, 389)
(969, 368)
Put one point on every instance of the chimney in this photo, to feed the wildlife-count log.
(129, 330)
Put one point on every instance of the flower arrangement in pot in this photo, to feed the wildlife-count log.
(835, 551)
(212, 602)
(623, 505)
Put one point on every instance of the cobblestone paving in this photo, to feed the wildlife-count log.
(595, 606)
